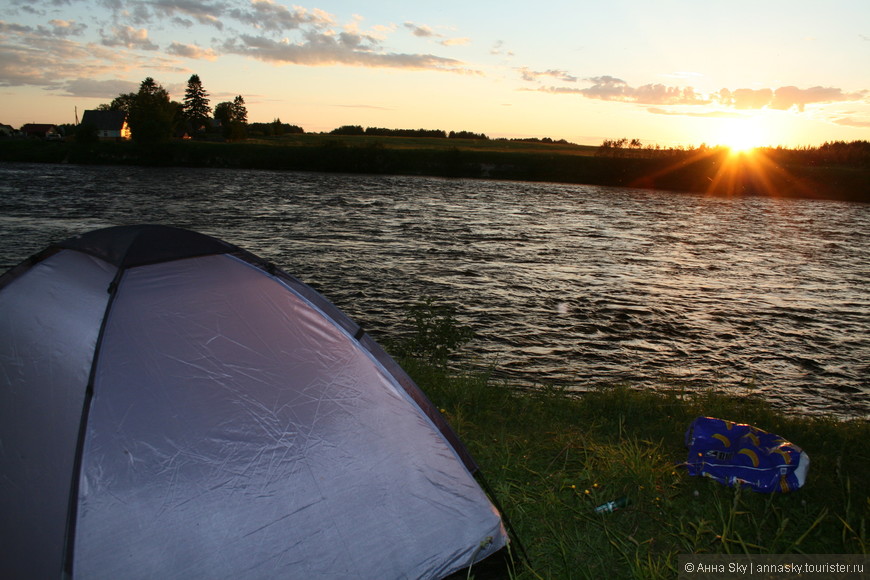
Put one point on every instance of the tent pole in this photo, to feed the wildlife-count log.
(72, 512)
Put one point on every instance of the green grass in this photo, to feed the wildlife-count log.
(551, 458)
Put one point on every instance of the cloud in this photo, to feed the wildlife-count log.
(273, 17)
(530, 75)
(204, 12)
(129, 37)
(423, 31)
(122, 39)
(609, 88)
(29, 57)
(59, 29)
(191, 51)
(746, 98)
(64, 28)
(783, 98)
(851, 122)
(20, 66)
(12, 28)
(108, 89)
(322, 49)
(787, 97)
(31, 7)
(658, 94)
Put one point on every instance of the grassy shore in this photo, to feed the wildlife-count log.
(551, 458)
(783, 174)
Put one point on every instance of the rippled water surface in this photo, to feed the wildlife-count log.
(565, 284)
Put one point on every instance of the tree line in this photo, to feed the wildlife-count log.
(345, 130)
(429, 133)
(154, 118)
(853, 153)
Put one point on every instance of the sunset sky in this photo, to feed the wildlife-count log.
(669, 72)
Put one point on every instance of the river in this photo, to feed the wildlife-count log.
(568, 285)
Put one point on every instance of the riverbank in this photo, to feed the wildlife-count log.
(716, 172)
(552, 458)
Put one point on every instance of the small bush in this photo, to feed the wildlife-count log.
(435, 333)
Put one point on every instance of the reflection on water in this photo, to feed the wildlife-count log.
(567, 284)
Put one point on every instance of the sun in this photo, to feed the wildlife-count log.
(741, 135)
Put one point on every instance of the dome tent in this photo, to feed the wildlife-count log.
(173, 406)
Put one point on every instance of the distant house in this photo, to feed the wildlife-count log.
(40, 131)
(6, 130)
(109, 124)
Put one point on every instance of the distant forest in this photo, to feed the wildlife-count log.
(347, 130)
(851, 153)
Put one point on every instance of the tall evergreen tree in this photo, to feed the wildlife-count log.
(240, 112)
(196, 109)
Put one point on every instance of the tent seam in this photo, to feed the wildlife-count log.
(75, 484)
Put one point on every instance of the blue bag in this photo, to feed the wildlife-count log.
(737, 454)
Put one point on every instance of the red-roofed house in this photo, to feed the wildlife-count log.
(40, 131)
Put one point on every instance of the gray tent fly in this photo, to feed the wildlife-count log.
(172, 406)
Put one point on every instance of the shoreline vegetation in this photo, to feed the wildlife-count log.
(551, 457)
(834, 171)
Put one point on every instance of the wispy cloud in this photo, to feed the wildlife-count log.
(611, 88)
(191, 51)
(111, 37)
(851, 122)
(99, 89)
(784, 98)
(128, 37)
(30, 57)
(63, 28)
(423, 31)
(530, 75)
(13, 28)
(335, 49)
(273, 17)
(55, 29)
(204, 12)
